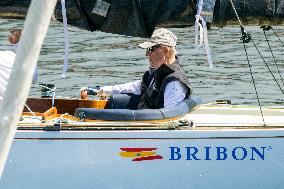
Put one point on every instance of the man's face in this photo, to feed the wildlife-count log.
(13, 37)
(156, 56)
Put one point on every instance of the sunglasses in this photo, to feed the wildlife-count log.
(151, 49)
(11, 33)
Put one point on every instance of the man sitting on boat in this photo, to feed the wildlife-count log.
(6, 64)
(14, 38)
(7, 59)
(164, 85)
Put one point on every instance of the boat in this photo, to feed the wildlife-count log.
(217, 145)
(61, 143)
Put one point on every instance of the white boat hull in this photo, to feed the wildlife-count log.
(91, 159)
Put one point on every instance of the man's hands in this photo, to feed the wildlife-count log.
(85, 91)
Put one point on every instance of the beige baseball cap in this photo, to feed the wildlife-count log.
(160, 36)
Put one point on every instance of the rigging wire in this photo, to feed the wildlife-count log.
(246, 38)
(267, 28)
(236, 13)
(277, 37)
(267, 66)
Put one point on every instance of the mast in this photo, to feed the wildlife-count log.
(35, 29)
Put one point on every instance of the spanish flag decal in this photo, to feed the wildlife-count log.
(140, 154)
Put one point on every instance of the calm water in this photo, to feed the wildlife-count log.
(98, 58)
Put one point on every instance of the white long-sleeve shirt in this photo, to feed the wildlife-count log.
(7, 59)
(175, 91)
(35, 75)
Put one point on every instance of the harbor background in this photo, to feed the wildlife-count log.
(98, 58)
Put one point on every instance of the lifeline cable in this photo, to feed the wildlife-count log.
(267, 66)
(277, 36)
(267, 28)
(246, 38)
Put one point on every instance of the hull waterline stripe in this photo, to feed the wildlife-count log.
(193, 138)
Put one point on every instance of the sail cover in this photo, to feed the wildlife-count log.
(126, 17)
(139, 17)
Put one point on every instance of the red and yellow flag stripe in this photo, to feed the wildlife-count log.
(140, 154)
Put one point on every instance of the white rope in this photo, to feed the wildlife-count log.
(203, 36)
(30, 110)
(52, 93)
(200, 28)
(66, 40)
(197, 25)
(206, 44)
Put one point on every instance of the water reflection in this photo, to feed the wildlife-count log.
(98, 58)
